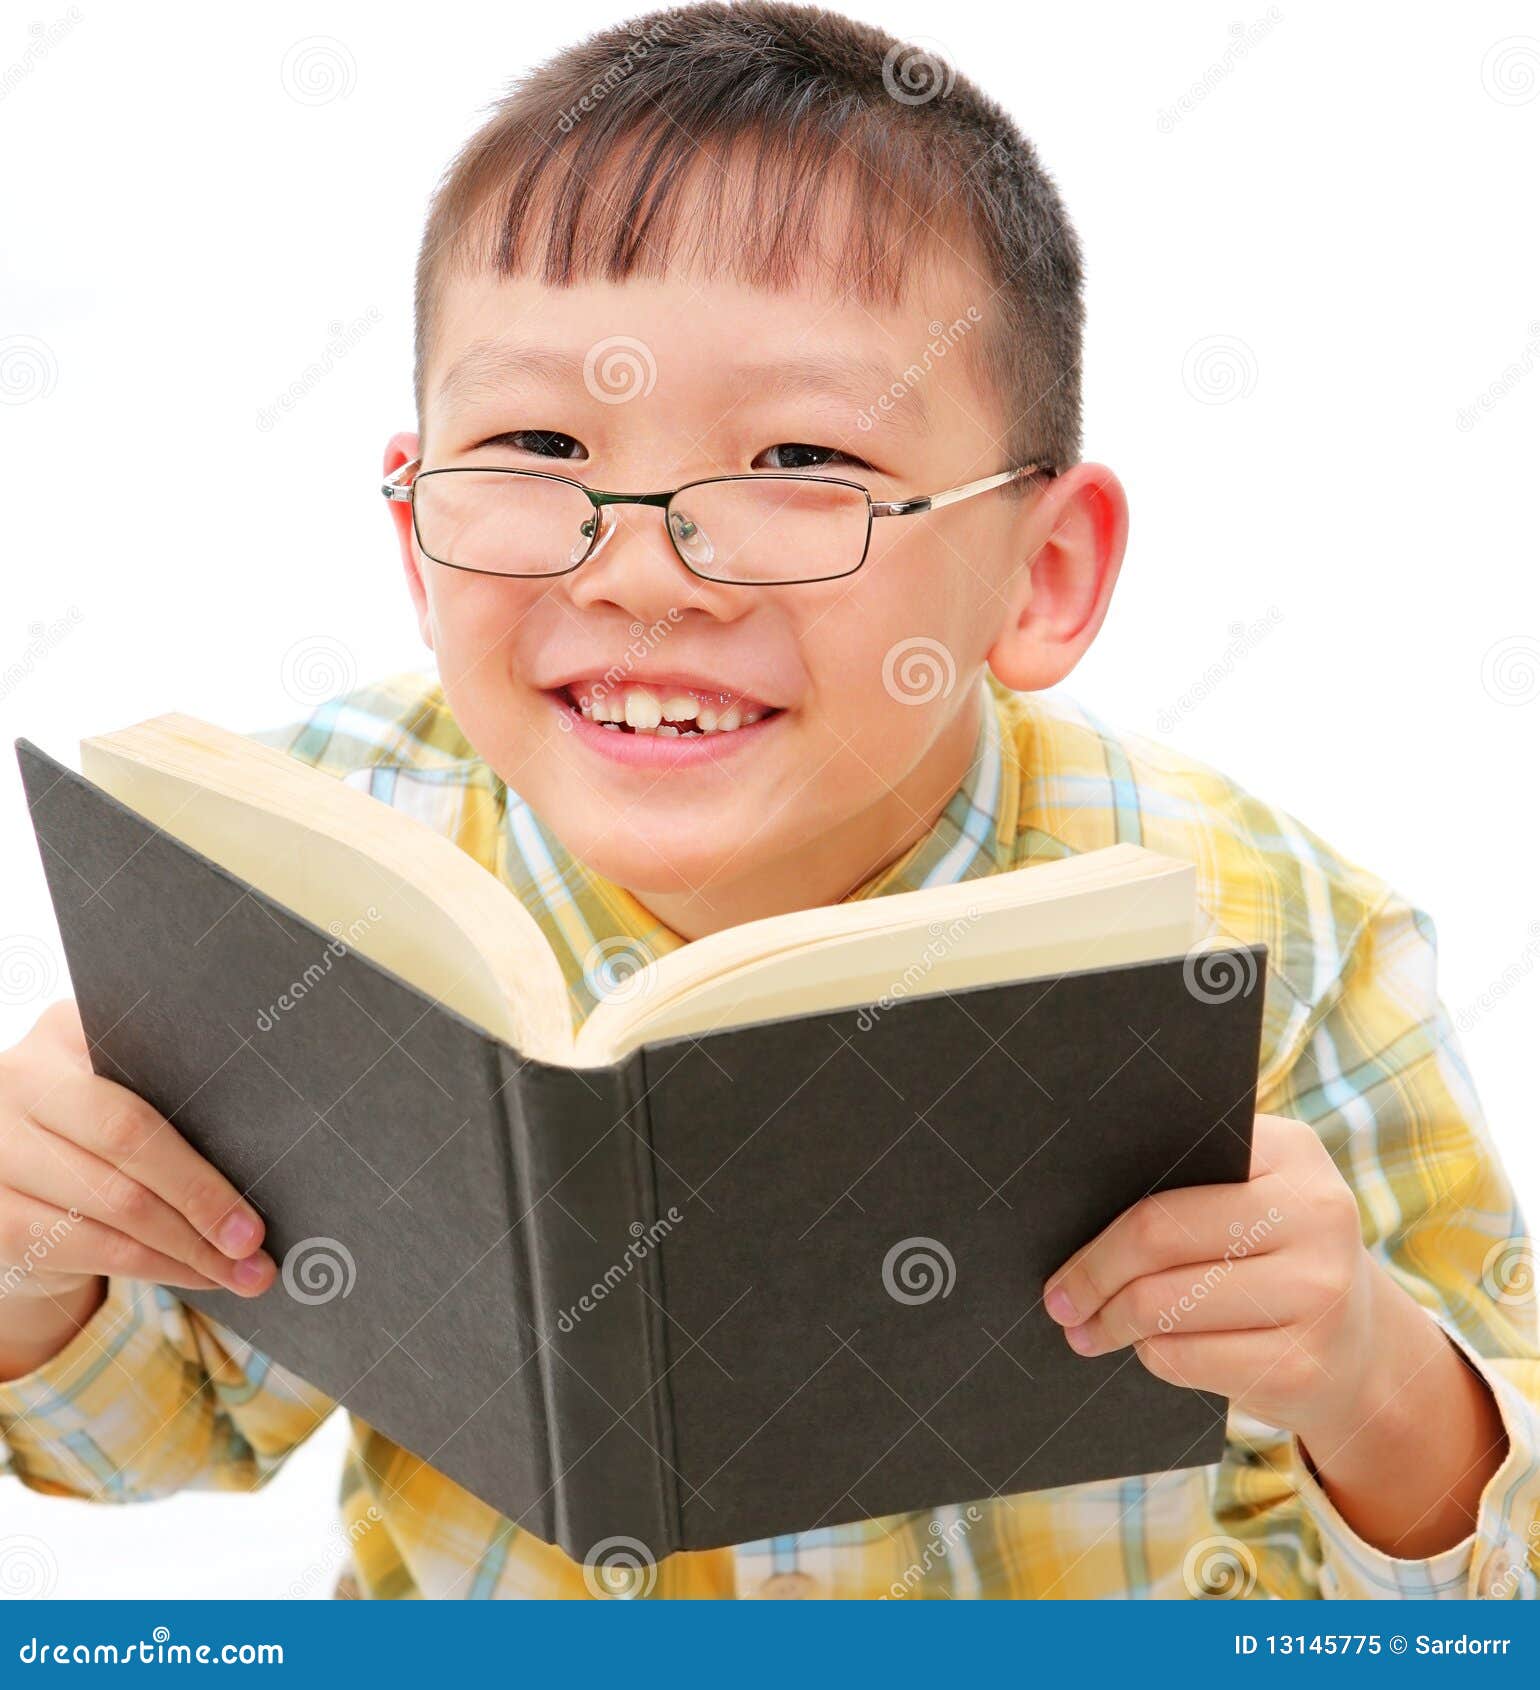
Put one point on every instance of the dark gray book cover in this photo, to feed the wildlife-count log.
(772, 1278)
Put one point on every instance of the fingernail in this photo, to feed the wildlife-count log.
(237, 1232)
(250, 1273)
(1080, 1340)
(1060, 1307)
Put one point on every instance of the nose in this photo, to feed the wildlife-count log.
(634, 567)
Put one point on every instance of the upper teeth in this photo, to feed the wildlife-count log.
(646, 711)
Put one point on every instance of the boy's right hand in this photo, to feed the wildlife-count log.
(93, 1181)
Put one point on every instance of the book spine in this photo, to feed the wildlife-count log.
(583, 1210)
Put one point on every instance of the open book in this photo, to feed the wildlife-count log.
(648, 1276)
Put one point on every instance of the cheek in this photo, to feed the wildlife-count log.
(476, 622)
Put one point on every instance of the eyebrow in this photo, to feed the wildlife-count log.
(870, 386)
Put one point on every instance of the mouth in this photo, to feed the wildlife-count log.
(672, 708)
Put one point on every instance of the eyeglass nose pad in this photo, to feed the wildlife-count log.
(586, 548)
(692, 540)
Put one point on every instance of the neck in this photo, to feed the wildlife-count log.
(841, 859)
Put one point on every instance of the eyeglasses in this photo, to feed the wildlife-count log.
(747, 530)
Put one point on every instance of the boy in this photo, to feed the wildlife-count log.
(755, 243)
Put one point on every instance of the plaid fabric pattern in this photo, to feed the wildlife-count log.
(151, 1397)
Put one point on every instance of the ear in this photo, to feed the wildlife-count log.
(401, 449)
(1072, 538)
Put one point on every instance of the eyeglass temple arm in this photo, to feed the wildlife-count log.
(954, 495)
(393, 486)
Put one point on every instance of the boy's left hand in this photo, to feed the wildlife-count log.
(1261, 1292)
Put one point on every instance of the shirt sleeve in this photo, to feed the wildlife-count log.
(1381, 1078)
(151, 1397)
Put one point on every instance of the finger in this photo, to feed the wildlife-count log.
(38, 1237)
(1223, 1296)
(42, 1165)
(1168, 1229)
(121, 1128)
(1254, 1367)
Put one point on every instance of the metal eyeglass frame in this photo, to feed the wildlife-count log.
(399, 489)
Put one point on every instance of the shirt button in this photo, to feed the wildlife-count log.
(1497, 1576)
(789, 1587)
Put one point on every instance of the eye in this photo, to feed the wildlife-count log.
(798, 454)
(537, 443)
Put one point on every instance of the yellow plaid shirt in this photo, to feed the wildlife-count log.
(151, 1397)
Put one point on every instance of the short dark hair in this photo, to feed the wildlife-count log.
(612, 160)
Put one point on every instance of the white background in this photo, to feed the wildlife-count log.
(1313, 358)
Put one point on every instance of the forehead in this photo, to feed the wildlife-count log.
(697, 335)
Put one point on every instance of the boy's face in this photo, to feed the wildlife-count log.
(865, 688)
